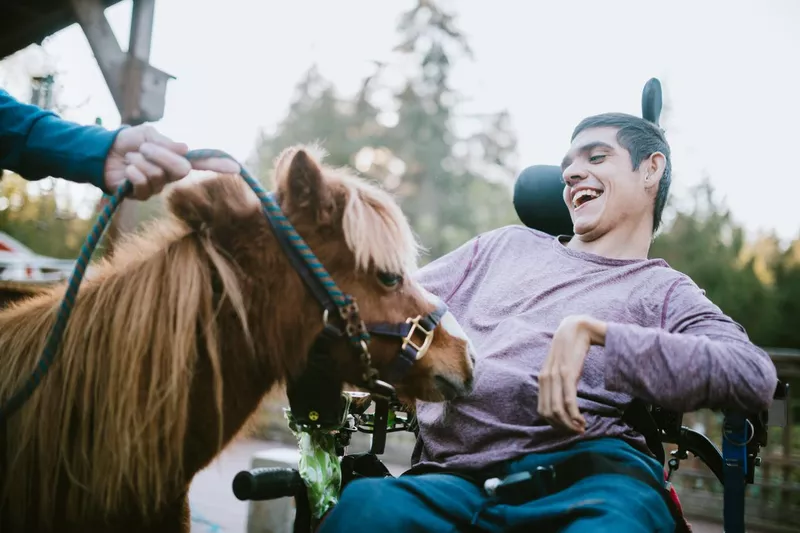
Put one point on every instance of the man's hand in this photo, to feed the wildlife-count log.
(558, 379)
(150, 160)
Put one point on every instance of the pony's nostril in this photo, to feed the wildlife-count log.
(468, 384)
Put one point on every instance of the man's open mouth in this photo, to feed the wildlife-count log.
(585, 196)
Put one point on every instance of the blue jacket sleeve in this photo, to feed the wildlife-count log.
(36, 143)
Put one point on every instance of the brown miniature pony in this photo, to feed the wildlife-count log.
(175, 339)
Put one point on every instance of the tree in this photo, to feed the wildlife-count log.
(44, 214)
(452, 182)
(41, 216)
(446, 189)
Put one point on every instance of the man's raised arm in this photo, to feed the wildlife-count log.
(36, 143)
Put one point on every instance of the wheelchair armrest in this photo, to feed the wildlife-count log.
(702, 447)
(672, 431)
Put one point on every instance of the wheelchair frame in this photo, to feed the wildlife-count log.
(734, 465)
(743, 434)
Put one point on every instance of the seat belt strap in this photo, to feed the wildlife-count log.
(545, 480)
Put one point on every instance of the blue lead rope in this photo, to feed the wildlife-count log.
(271, 209)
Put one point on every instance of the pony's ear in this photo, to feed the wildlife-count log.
(212, 202)
(299, 180)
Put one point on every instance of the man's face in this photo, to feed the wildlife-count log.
(602, 190)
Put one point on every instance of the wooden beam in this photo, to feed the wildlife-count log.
(138, 88)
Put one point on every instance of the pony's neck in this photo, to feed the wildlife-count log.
(283, 319)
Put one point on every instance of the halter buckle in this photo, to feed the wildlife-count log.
(407, 340)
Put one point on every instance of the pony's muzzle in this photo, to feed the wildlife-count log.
(451, 388)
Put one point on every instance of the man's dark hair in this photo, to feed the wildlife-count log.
(640, 138)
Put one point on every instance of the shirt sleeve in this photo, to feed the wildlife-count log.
(36, 143)
(699, 358)
(445, 275)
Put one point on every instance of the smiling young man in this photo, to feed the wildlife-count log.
(568, 331)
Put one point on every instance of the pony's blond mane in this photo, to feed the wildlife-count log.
(113, 410)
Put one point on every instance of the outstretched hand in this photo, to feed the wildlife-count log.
(151, 160)
(558, 378)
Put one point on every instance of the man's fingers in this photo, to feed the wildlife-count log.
(557, 402)
(544, 396)
(155, 175)
(149, 169)
(175, 166)
(141, 185)
(545, 384)
(217, 164)
(153, 136)
(571, 404)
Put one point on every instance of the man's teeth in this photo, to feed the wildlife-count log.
(588, 194)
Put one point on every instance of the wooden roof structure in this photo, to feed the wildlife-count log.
(138, 88)
(30, 22)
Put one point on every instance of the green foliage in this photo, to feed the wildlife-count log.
(45, 222)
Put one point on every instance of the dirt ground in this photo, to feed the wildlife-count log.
(216, 510)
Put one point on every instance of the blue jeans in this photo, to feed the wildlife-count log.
(444, 503)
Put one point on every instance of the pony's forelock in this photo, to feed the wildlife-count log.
(376, 230)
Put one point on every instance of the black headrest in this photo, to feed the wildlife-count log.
(652, 100)
(539, 201)
(538, 192)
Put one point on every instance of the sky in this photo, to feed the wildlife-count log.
(730, 70)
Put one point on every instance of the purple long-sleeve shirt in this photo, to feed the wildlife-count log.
(666, 343)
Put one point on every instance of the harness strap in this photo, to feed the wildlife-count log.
(546, 480)
(311, 281)
(409, 352)
(638, 416)
(526, 486)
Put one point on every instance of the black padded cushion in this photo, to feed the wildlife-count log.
(538, 199)
(652, 100)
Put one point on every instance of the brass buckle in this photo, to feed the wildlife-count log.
(421, 350)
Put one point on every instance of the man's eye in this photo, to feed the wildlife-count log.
(597, 158)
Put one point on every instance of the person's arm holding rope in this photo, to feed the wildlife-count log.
(36, 143)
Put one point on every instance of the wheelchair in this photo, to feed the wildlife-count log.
(539, 205)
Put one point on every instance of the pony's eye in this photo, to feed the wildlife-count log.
(389, 280)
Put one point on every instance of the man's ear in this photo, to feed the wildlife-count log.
(653, 168)
(299, 180)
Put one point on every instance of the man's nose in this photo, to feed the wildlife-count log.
(573, 175)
